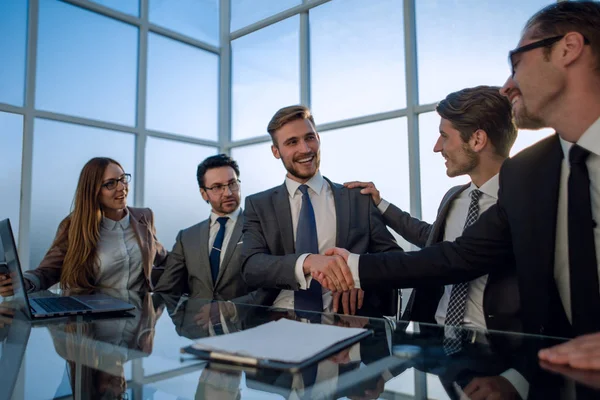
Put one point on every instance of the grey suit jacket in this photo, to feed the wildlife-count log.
(187, 268)
(501, 296)
(268, 252)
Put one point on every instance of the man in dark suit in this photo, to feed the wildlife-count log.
(545, 220)
(476, 135)
(287, 228)
(205, 260)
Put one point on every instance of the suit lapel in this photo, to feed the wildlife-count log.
(281, 205)
(545, 207)
(140, 227)
(236, 236)
(342, 211)
(202, 255)
(440, 221)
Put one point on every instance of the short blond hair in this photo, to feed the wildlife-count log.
(288, 114)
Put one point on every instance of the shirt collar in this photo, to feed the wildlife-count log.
(233, 216)
(489, 188)
(109, 224)
(315, 183)
(590, 140)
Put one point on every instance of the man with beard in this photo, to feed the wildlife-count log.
(476, 135)
(205, 260)
(548, 206)
(288, 228)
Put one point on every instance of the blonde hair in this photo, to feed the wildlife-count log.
(81, 229)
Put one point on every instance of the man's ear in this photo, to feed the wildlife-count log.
(573, 46)
(204, 195)
(478, 141)
(275, 151)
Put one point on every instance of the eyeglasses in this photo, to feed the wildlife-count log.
(535, 45)
(220, 189)
(112, 184)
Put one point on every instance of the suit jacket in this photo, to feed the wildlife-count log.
(501, 294)
(268, 254)
(520, 230)
(187, 269)
(142, 222)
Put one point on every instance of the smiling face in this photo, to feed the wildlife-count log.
(113, 201)
(298, 147)
(534, 85)
(222, 202)
(460, 158)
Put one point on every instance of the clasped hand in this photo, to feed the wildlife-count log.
(331, 270)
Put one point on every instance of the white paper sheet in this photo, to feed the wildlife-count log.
(283, 340)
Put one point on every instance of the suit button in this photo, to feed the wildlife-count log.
(542, 329)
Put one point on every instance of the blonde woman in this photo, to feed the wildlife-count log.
(102, 242)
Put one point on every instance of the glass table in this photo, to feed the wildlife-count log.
(137, 355)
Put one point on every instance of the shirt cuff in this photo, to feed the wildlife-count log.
(353, 265)
(383, 206)
(303, 281)
(518, 381)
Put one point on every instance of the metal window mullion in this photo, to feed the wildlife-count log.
(225, 78)
(273, 19)
(140, 126)
(27, 155)
(305, 81)
(412, 102)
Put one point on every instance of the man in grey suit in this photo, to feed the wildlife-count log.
(288, 228)
(476, 135)
(205, 260)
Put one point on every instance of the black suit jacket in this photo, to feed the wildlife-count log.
(501, 295)
(519, 230)
(268, 254)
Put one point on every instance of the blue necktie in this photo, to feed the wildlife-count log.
(215, 253)
(307, 242)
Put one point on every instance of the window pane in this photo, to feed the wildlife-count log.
(265, 76)
(182, 89)
(526, 138)
(259, 169)
(171, 189)
(11, 143)
(125, 6)
(246, 12)
(13, 31)
(60, 151)
(198, 19)
(464, 43)
(375, 152)
(357, 58)
(434, 181)
(86, 65)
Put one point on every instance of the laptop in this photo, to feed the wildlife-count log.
(55, 306)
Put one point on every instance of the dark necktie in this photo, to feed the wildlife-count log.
(583, 265)
(307, 242)
(215, 253)
(458, 295)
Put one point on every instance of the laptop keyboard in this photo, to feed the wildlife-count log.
(61, 304)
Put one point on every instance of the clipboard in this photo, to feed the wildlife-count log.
(251, 362)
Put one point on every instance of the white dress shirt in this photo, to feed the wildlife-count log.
(119, 255)
(214, 229)
(455, 223)
(321, 197)
(454, 226)
(590, 141)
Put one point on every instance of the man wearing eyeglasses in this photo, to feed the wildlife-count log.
(205, 260)
(549, 203)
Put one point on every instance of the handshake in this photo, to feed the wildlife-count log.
(330, 270)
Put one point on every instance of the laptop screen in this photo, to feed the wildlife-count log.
(11, 257)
